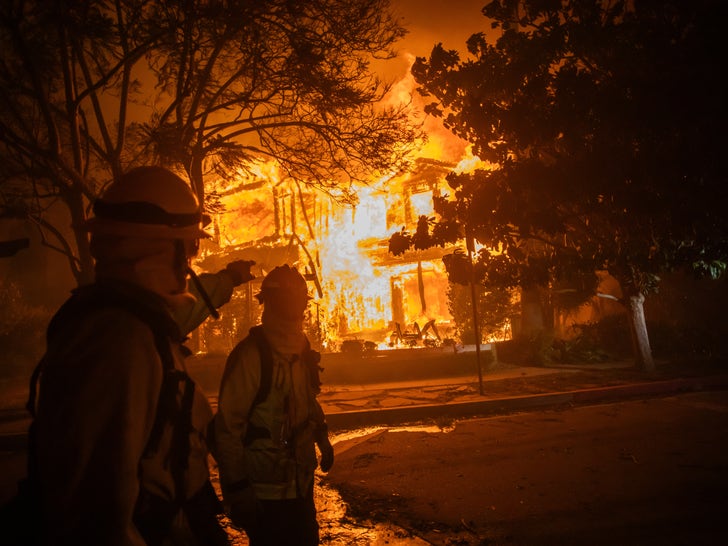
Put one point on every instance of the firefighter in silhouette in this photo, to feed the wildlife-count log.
(118, 452)
(269, 421)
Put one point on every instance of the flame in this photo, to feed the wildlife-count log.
(470, 162)
(359, 294)
(247, 214)
(354, 290)
(365, 292)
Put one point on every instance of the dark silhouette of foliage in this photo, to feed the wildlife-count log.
(279, 80)
(494, 311)
(89, 89)
(605, 122)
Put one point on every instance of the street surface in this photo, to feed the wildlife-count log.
(647, 472)
(640, 472)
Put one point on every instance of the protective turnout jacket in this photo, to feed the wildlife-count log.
(270, 443)
(100, 392)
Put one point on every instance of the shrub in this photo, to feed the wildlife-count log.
(22, 332)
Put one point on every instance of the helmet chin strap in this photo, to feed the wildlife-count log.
(205, 296)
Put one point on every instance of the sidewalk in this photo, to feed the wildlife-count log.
(505, 389)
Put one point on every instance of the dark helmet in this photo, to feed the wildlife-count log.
(283, 280)
(148, 202)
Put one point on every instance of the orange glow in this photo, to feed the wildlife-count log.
(365, 291)
(470, 162)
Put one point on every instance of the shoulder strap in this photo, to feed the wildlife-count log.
(310, 357)
(266, 365)
(253, 432)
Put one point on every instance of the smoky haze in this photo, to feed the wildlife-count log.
(434, 21)
(36, 280)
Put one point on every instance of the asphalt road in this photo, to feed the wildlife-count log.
(640, 472)
(646, 472)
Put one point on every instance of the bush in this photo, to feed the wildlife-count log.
(577, 350)
(22, 332)
(669, 340)
(494, 311)
(611, 334)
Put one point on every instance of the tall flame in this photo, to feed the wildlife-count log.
(366, 293)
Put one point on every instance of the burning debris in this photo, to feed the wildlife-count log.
(361, 292)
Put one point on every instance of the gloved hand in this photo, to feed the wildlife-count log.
(327, 454)
(239, 270)
(242, 507)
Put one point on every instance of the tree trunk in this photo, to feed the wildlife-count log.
(84, 270)
(532, 317)
(536, 328)
(638, 327)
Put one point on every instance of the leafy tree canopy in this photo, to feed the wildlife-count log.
(88, 89)
(605, 123)
(276, 79)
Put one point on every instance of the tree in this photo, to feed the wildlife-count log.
(206, 87)
(61, 133)
(283, 80)
(605, 122)
(494, 311)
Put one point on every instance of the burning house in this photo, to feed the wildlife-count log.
(362, 295)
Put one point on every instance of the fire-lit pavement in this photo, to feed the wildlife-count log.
(638, 472)
(352, 408)
(506, 389)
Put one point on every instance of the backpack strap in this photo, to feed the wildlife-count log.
(266, 365)
(253, 432)
(310, 358)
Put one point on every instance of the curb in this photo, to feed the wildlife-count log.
(341, 421)
(348, 420)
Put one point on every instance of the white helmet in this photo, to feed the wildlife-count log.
(148, 202)
(284, 281)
